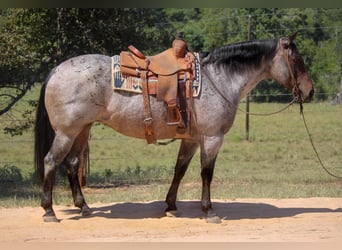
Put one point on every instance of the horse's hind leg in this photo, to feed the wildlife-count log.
(185, 154)
(72, 163)
(60, 147)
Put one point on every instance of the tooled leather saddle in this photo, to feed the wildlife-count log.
(174, 70)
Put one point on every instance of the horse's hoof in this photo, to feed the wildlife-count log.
(86, 211)
(50, 218)
(172, 213)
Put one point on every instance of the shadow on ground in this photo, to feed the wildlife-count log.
(192, 209)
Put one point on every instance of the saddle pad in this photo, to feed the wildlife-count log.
(134, 84)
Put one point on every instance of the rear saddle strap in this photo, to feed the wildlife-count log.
(147, 110)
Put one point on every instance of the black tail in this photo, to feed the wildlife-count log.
(44, 134)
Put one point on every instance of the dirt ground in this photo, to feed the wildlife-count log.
(243, 220)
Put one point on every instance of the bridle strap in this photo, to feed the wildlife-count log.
(294, 82)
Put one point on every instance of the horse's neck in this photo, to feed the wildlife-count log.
(254, 77)
(236, 85)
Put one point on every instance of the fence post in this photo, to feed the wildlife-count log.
(247, 97)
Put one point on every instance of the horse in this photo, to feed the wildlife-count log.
(78, 92)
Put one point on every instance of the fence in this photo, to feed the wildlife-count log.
(111, 151)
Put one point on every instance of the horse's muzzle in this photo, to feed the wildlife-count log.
(305, 88)
(307, 97)
(311, 95)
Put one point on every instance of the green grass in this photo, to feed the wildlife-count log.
(277, 161)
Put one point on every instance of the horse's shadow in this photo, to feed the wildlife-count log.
(192, 209)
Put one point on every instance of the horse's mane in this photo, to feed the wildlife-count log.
(243, 55)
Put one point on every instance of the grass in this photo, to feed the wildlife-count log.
(277, 161)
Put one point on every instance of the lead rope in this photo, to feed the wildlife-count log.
(313, 145)
(272, 113)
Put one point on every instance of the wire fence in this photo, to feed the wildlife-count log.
(18, 141)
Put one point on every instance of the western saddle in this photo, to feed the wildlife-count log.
(174, 70)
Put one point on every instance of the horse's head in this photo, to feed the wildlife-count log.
(289, 69)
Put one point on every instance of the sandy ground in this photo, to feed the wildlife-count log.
(244, 220)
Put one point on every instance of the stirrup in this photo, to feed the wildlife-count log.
(173, 116)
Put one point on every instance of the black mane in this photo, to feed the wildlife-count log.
(243, 55)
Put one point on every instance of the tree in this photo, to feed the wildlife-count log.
(187, 21)
(20, 65)
(327, 60)
(33, 41)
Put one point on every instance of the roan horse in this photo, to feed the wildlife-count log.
(78, 93)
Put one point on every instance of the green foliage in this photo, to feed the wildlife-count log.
(319, 36)
(18, 127)
(10, 174)
(130, 176)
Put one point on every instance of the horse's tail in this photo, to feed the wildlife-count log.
(43, 134)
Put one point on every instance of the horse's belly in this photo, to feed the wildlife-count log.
(127, 116)
(137, 128)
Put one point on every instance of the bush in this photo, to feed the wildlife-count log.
(130, 176)
(10, 174)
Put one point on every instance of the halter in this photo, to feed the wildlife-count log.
(294, 82)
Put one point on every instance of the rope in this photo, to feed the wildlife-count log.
(165, 143)
(313, 145)
(269, 114)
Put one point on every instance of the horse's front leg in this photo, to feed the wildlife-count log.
(185, 154)
(210, 147)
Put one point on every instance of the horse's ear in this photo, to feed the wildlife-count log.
(285, 42)
(293, 37)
